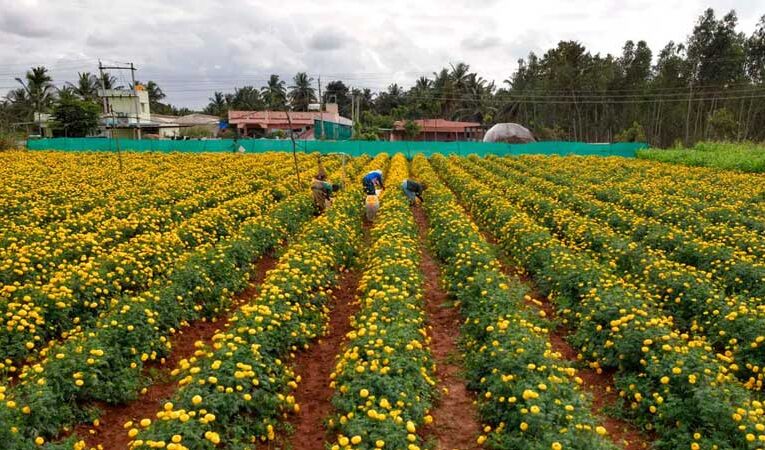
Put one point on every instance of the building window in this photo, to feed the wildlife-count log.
(143, 107)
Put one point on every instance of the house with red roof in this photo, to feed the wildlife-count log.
(302, 123)
(439, 130)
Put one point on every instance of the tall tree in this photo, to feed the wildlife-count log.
(301, 92)
(108, 81)
(218, 105)
(670, 75)
(39, 88)
(156, 95)
(247, 98)
(476, 102)
(443, 91)
(87, 86)
(389, 100)
(755, 53)
(716, 50)
(275, 93)
(73, 117)
(339, 93)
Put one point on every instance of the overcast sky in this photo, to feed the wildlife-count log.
(192, 48)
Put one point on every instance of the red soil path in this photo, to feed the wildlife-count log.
(599, 384)
(315, 365)
(110, 434)
(455, 422)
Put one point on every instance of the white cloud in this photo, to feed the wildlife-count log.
(194, 47)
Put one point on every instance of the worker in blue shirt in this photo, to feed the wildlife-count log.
(372, 181)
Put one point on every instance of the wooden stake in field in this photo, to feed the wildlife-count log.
(294, 151)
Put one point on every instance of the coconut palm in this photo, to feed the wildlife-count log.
(153, 90)
(302, 92)
(108, 81)
(39, 88)
(86, 87)
(155, 93)
(275, 93)
(67, 93)
(218, 105)
(476, 101)
(443, 91)
(423, 84)
(20, 104)
(246, 98)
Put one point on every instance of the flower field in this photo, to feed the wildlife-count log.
(600, 303)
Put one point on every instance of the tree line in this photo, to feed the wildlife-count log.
(711, 86)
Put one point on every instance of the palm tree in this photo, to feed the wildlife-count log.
(20, 103)
(477, 101)
(421, 98)
(275, 93)
(247, 98)
(443, 90)
(155, 93)
(423, 84)
(39, 88)
(459, 75)
(301, 92)
(108, 81)
(218, 105)
(86, 87)
(152, 90)
(67, 93)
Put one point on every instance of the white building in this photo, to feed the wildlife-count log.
(127, 111)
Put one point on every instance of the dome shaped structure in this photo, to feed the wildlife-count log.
(510, 133)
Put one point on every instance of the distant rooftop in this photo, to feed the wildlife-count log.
(438, 125)
(273, 118)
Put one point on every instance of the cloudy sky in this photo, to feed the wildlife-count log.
(192, 48)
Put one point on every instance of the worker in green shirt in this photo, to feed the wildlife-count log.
(413, 190)
(321, 191)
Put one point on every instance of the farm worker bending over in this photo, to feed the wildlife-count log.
(371, 182)
(322, 191)
(413, 190)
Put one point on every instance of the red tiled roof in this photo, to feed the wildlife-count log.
(272, 118)
(441, 125)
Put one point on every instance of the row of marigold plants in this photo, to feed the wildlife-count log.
(716, 209)
(731, 260)
(528, 396)
(32, 252)
(105, 363)
(733, 324)
(34, 314)
(668, 382)
(384, 382)
(236, 391)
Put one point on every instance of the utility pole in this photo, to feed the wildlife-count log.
(137, 101)
(688, 115)
(294, 150)
(132, 69)
(103, 88)
(321, 110)
(108, 109)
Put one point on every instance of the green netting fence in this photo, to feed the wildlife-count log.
(353, 148)
(332, 131)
